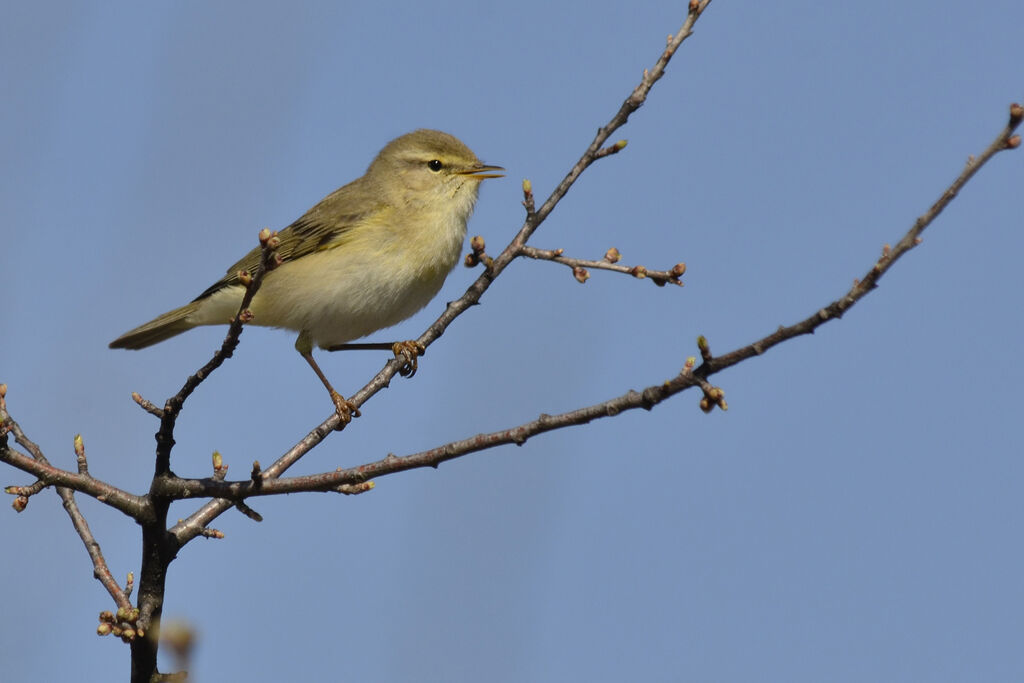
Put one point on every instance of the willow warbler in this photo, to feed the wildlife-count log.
(367, 256)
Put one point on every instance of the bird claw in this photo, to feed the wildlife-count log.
(408, 352)
(345, 409)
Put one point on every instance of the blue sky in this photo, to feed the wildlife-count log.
(854, 516)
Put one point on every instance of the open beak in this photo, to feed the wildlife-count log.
(483, 171)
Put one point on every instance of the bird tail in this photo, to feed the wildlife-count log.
(166, 326)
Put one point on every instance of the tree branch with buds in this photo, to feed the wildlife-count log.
(161, 541)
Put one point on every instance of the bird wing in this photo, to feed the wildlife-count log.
(325, 226)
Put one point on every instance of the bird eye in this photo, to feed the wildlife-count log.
(434, 165)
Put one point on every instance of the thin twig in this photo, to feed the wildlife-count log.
(40, 466)
(165, 436)
(1004, 141)
(658, 277)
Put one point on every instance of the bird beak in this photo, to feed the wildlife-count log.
(482, 171)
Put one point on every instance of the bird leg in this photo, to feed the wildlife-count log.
(345, 409)
(406, 351)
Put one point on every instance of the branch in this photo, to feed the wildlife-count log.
(1005, 140)
(609, 262)
(40, 466)
(631, 400)
(193, 526)
(46, 474)
(169, 415)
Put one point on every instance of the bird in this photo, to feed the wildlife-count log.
(365, 257)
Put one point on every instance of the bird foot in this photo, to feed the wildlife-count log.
(408, 352)
(346, 409)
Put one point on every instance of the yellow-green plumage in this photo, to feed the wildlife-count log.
(367, 256)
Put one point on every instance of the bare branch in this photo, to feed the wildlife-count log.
(658, 277)
(1004, 140)
(169, 415)
(134, 506)
(47, 475)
